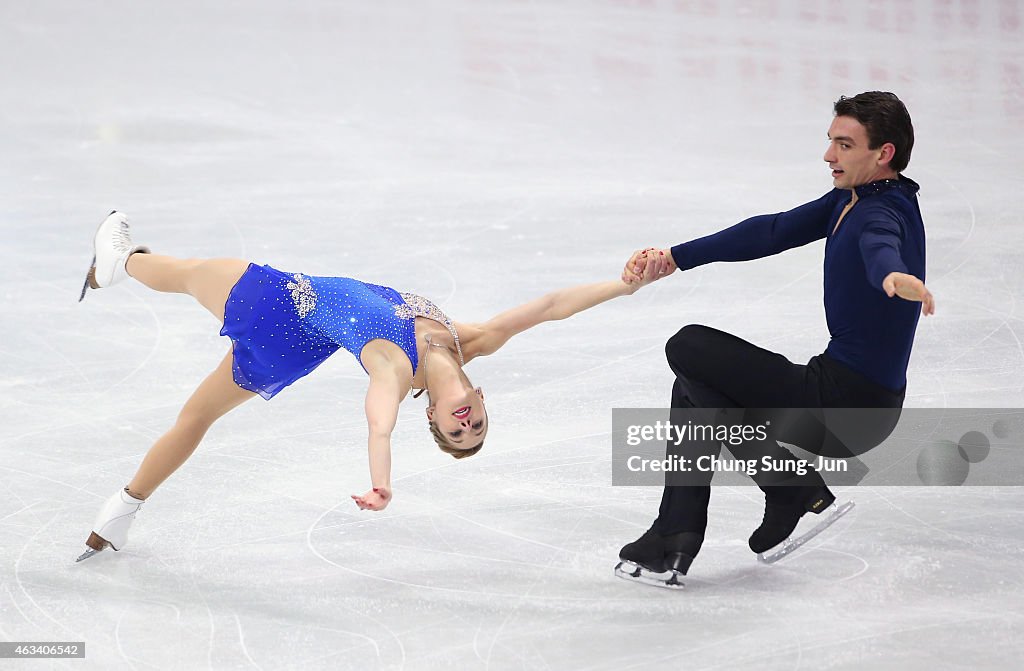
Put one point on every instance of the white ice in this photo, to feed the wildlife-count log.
(481, 154)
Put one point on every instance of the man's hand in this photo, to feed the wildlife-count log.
(375, 499)
(650, 264)
(909, 288)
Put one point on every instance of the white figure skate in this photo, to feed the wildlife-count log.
(112, 524)
(112, 245)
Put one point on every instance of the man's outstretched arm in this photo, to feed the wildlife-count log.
(909, 288)
(880, 247)
(753, 238)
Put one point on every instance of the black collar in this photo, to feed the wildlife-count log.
(905, 184)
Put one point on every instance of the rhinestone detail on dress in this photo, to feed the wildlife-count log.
(302, 294)
(418, 306)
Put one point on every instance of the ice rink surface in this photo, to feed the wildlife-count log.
(482, 154)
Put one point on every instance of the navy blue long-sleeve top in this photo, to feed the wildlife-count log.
(882, 233)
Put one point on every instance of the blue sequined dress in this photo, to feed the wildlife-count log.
(284, 325)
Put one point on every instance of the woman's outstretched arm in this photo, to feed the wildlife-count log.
(383, 397)
(556, 305)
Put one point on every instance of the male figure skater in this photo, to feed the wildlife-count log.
(874, 269)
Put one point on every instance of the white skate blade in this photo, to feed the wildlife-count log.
(88, 277)
(85, 555)
(627, 570)
(793, 542)
(93, 545)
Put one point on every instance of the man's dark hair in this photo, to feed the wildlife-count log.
(886, 119)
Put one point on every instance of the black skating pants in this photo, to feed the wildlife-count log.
(715, 369)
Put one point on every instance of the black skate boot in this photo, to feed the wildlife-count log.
(659, 560)
(773, 539)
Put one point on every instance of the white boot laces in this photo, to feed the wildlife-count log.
(123, 238)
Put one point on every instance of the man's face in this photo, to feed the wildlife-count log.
(852, 162)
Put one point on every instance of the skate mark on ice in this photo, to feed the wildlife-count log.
(258, 540)
(209, 615)
(18, 608)
(163, 604)
(152, 350)
(10, 492)
(372, 642)
(313, 663)
(591, 509)
(242, 254)
(53, 480)
(559, 463)
(888, 631)
(524, 597)
(451, 279)
(466, 555)
(970, 231)
(863, 569)
(19, 511)
(117, 640)
(919, 520)
(312, 548)
(441, 535)
(75, 636)
(560, 350)
(491, 455)
(450, 590)
(91, 420)
(67, 361)
(960, 537)
(657, 662)
(502, 532)
(529, 390)
(476, 640)
(799, 650)
(241, 641)
(1007, 316)
(390, 632)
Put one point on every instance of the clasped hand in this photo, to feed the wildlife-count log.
(648, 265)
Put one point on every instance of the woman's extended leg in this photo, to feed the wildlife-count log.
(215, 397)
(207, 280)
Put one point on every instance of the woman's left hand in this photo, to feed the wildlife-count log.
(375, 499)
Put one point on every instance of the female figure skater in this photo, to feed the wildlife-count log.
(282, 326)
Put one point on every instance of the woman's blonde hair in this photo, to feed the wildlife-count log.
(449, 448)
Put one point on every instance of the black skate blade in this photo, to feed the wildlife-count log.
(627, 570)
(792, 543)
(88, 275)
